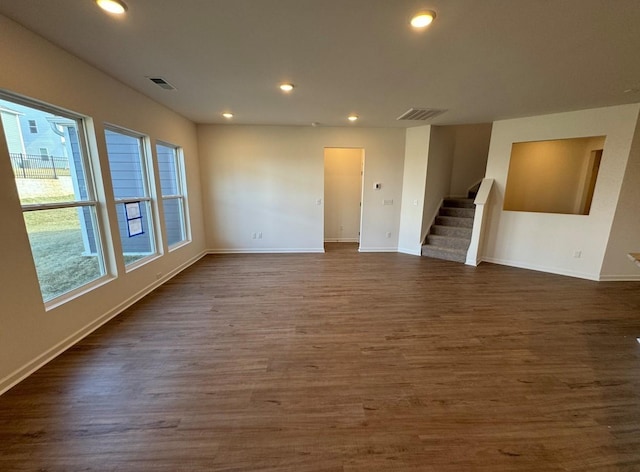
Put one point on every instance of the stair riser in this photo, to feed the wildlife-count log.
(449, 256)
(453, 231)
(450, 235)
(444, 241)
(459, 212)
(458, 203)
(457, 222)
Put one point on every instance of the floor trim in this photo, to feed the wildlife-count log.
(266, 251)
(30, 367)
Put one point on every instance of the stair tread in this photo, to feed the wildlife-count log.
(444, 236)
(459, 203)
(451, 232)
(456, 227)
(445, 249)
(454, 255)
(452, 219)
(460, 217)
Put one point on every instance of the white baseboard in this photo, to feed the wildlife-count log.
(30, 367)
(413, 252)
(620, 278)
(378, 249)
(473, 262)
(341, 240)
(300, 250)
(549, 270)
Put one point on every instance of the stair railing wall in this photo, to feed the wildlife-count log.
(474, 188)
(426, 228)
(479, 227)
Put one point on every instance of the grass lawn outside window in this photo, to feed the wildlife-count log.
(58, 250)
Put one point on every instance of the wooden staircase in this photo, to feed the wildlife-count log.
(450, 235)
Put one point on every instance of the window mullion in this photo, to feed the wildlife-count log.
(133, 199)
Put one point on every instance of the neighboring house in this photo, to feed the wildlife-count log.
(33, 132)
(11, 126)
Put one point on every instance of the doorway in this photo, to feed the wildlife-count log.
(343, 173)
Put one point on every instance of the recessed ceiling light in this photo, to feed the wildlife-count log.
(117, 7)
(228, 115)
(352, 118)
(423, 19)
(286, 87)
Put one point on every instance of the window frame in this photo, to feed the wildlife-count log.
(150, 200)
(88, 159)
(181, 188)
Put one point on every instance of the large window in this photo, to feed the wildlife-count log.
(57, 195)
(173, 194)
(127, 161)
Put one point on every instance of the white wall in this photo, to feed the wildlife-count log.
(342, 194)
(469, 156)
(625, 232)
(440, 161)
(414, 181)
(548, 242)
(439, 170)
(269, 179)
(35, 68)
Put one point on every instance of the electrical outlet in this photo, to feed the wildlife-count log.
(388, 235)
(254, 235)
(260, 235)
(577, 254)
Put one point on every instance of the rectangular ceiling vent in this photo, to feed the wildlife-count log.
(160, 82)
(420, 114)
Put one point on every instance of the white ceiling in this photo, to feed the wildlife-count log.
(481, 59)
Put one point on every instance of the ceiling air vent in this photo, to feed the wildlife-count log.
(160, 82)
(420, 114)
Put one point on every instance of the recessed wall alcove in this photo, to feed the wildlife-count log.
(556, 176)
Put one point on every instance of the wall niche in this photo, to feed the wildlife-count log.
(556, 176)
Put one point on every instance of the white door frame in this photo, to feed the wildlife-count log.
(362, 168)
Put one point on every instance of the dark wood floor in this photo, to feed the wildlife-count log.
(343, 362)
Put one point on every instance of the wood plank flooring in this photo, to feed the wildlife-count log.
(343, 362)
